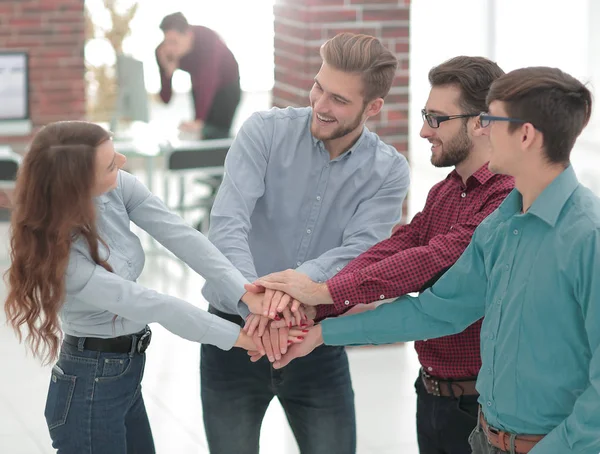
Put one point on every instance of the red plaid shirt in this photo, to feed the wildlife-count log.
(418, 253)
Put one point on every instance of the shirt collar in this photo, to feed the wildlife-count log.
(101, 200)
(348, 152)
(549, 203)
(482, 175)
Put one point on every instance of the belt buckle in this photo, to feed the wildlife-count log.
(144, 341)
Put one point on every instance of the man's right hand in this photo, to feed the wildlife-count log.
(167, 62)
(298, 285)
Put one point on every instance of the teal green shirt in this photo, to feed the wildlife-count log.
(536, 278)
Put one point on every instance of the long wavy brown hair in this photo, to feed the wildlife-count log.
(52, 205)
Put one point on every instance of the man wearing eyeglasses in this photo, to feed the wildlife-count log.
(418, 253)
(531, 269)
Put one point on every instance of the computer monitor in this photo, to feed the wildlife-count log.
(132, 97)
(14, 93)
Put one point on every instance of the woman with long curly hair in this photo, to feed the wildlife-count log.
(74, 267)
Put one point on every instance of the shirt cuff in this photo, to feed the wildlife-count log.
(221, 333)
(344, 292)
(232, 286)
(243, 310)
(312, 271)
(346, 330)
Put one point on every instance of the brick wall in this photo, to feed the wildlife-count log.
(52, 32)
(301, 26)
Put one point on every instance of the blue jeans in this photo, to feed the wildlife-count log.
(95, 403)
(315, 392)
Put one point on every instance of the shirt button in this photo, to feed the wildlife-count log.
(492, 336)
(430, 368)
(489, 404)
(308, 231)
(515, 232)
(318, 197)
(338, 268)
(507, 267)
(347, 303)
(489, 370)
(381, 297)
(499, 302)
(463, 195)
(298, 263)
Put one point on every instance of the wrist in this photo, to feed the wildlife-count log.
(243, 341)
(324, 295)
(319, 329)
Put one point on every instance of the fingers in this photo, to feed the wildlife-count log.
(299, 316)
(293, 352)
(267, 344)
(274, 335)
(267, 302)
(283, 303)
(253, 288)
(283, 340)
(295, 306)
(287, 318)
(297, 334)
(251, 324)
(272, 285)
(275, 301)
(259, 343)
(262, 326)
(254, 355)
(282, 323)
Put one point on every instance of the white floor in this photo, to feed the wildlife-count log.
(382, 376)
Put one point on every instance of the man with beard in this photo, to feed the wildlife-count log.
(305, 188)
(420, 252)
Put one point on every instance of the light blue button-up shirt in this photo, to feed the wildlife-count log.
(94, 296)
(284, 203)
(536, 278)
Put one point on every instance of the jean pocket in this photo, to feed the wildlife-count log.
(114, 368)
(60, 394)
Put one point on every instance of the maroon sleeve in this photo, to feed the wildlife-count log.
(408, 269)
(166, 90)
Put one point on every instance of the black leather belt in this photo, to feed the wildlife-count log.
(138, 342)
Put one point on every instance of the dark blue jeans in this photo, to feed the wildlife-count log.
(444, 423)
(95, 403)
(315, 392)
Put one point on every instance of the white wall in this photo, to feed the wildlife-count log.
(514, 33)
(246, 26)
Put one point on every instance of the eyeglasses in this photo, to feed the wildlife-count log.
(485, 120)
(434, 120)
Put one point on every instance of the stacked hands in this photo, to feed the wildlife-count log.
(283, 309)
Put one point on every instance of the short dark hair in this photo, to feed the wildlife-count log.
(553, 101)
(175, 21)
(472, 75)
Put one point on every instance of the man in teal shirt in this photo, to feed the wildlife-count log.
(533, 270)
